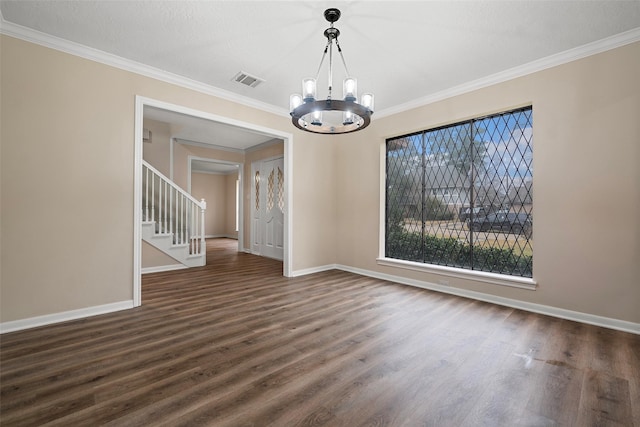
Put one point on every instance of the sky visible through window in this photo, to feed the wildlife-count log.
(508, 143)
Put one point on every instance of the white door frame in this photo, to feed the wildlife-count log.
(140, 103)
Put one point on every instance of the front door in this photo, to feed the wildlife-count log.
(267, 205)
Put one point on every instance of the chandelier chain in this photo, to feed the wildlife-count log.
(330, 78)
(324, 55)
(342, 56)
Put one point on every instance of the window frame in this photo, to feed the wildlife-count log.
(441, 273)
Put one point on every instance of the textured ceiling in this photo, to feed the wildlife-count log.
(398, 50)
(402, 51)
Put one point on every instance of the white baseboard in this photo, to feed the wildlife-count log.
(319, 269)
(49, 319)
(161, 268)
(220, 236)
(591, 319)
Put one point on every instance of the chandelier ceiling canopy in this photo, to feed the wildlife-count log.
(331, 116)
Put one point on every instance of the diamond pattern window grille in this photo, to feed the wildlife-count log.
(257, 179)
(461, 195)
(280, 190)
(270, 195)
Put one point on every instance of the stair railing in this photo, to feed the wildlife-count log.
(173, 210)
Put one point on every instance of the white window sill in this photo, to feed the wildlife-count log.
(460, 273)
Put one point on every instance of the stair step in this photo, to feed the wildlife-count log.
(164, 242)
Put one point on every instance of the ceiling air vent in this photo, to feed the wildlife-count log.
(247, 79)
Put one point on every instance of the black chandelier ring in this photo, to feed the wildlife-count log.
(302, 116)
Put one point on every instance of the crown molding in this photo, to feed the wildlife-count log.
(208, 145)
(260, 146)
(53, 42)
(561, 58)
(263, 145)
(66, 46)
(215, 173)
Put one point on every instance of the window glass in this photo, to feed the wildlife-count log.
(462, 195)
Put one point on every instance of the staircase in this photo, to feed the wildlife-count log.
(172, 220)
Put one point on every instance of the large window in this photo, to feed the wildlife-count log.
(461, 195)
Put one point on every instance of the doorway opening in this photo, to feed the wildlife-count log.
(224, 124)
(219, 183)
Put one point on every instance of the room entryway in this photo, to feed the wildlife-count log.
(274, 227)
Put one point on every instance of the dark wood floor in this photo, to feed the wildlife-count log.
(236, 344)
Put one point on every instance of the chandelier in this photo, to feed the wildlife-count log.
(331, 116)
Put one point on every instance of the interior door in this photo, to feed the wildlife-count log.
(267, 232)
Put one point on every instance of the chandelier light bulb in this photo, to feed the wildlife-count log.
(317, 118)
(367, 101)
(309, 90)
(349, 89)
(295, 101)
(347, 118)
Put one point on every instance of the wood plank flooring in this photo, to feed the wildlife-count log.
(236, 344)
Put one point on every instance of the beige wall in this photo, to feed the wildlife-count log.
(212, 188)
(316, 194)
(67, 220)
(157, 152)
(586, 182)
(152, 257)
(230, 206)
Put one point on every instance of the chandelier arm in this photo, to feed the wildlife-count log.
(330, 68)
(324, 54)
(343, 61)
